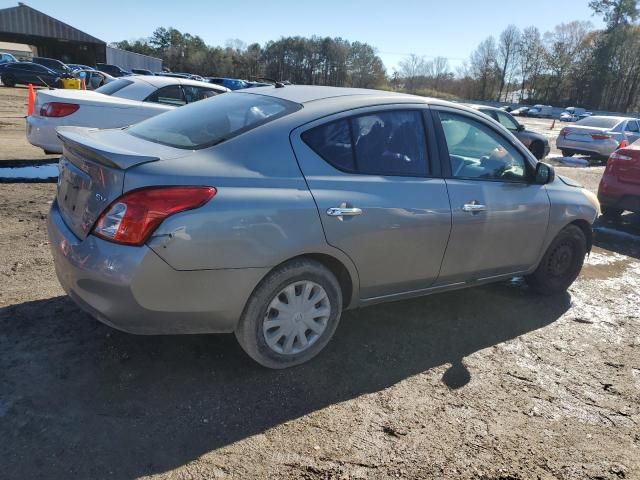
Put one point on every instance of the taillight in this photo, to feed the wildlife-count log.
(624, 143)
(600, 136)
(619, 156)
(132, 218)
(58, 109)
(564, 132)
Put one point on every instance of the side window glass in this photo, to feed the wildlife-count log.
(390, 143)
(332, 142)
(193, 94)
(169, 95)
(478, 152)
(632, 126)
(506, 121)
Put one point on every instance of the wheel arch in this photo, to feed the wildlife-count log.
(586, 229)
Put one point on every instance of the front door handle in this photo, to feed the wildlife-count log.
(343, 212)
(474, 207)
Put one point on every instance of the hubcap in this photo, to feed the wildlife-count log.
(296, 317)
(561, 260)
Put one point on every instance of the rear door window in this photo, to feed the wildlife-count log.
(169, 95)
(632, 126)
(384, 143)
(193, 93)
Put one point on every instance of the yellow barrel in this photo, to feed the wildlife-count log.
(72, 83)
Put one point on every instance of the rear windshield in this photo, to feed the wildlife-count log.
(113, 87)
(599, 122)
(212, 121)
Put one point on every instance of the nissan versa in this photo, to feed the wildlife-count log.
(267, 212)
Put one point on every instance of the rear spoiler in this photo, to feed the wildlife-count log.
(79, 141)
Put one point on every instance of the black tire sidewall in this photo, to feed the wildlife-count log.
(249, 332)
(542, 281)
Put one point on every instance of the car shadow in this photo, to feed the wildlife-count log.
(80, 400)
(621, 235)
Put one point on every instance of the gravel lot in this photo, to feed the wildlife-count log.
(487, 383)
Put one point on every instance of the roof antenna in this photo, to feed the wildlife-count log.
(279, 85)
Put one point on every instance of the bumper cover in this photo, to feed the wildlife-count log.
(41, 132)
(134, 290)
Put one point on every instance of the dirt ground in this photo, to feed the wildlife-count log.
(486, 383)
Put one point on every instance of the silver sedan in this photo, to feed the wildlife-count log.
(267, 212)
(598, 135)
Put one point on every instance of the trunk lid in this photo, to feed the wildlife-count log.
(583, 134)
(92, 170)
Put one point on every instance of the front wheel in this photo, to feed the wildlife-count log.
(561, 263)
(568, 153)
(292, 314)
(9, 80)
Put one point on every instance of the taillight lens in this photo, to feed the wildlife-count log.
(564, 132)
(600, 136)
(623, 144)
(619, 156)
(58, 109)
(132, 218)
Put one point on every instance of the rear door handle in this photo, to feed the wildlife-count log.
(343, 212)
(474, 207)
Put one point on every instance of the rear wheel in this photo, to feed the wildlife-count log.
(9, 80)
(561, 263)
(292, 314)
(568, 153)
(611, 213)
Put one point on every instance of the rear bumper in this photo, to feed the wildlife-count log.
(616, 194)
(604, 148)
(134, 290)
(41, 132)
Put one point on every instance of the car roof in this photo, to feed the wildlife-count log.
(159, 81)
(613, 117)
(475, 106)
(312, 93)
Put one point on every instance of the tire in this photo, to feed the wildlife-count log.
(537, 148)
(568, 153)
(561, 263)
(8, 80)
(259, 340)
(611, 213)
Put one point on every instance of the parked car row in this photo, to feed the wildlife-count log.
(598, 135)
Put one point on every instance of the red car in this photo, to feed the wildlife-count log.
(619, 188)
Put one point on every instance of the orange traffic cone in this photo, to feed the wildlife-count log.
(31, 100)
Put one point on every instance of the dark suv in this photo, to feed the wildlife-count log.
(52, 64)
(28, 72)
(113, 70)
(537, 143)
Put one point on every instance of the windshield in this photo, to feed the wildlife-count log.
(209, 122)
(598, 122)
(113, 87)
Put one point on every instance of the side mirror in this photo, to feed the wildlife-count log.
(520, 128)
(544, 173)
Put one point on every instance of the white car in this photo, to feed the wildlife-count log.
(120, 103)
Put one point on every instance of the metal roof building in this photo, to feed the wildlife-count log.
(55, 39)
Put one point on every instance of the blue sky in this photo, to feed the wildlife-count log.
(450, 29)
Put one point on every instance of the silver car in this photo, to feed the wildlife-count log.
(598, 135)
(268, 211)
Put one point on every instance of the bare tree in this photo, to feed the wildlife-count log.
(483, 63)
(507, 54)
(411, 68)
